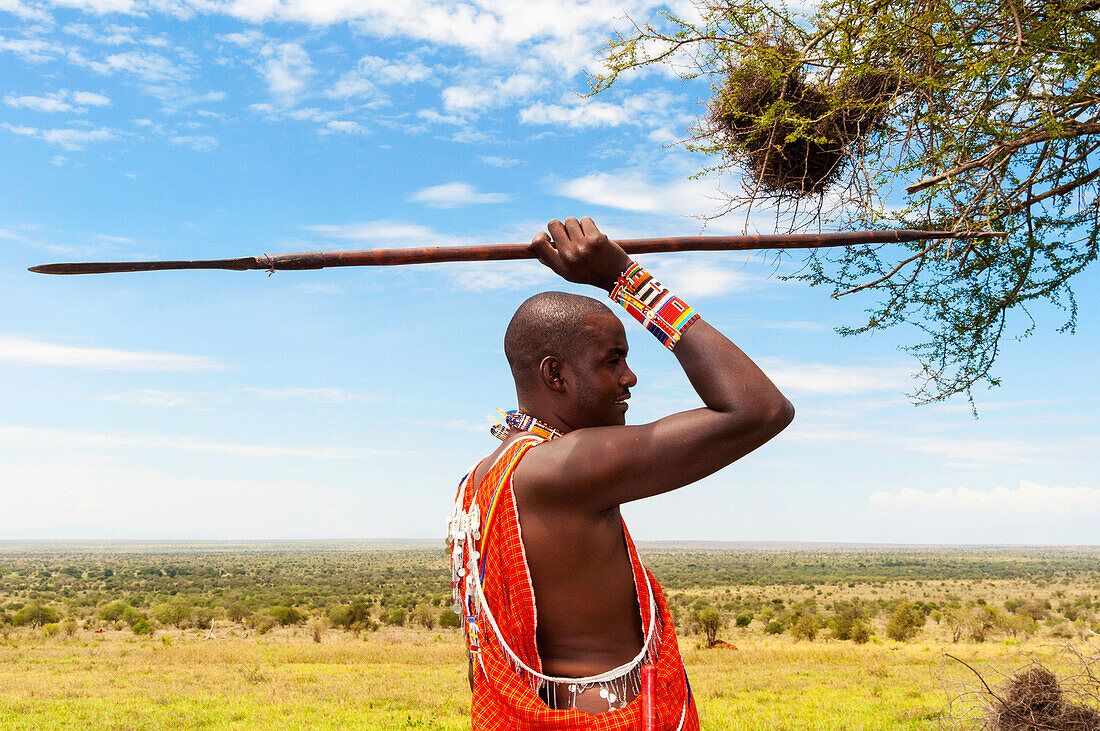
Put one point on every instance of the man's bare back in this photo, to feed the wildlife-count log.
(588, 618)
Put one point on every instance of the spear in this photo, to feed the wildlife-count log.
(505, 252)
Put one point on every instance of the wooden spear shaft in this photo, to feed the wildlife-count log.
(505, 252)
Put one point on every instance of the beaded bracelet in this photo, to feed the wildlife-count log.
(662, 313)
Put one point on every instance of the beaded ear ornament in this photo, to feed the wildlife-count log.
(516, 419)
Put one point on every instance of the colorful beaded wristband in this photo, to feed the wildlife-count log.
(662, 313)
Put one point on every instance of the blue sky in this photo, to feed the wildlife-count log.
(346, 403)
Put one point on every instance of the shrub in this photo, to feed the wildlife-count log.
(69, 627)
(202, 617)
(424, 616)
(177, 613)
(316, 629)
(805, 628)
(774, 627)
(142, 627)
(744, 620)
(237, 612)
(286, 615)
(861, 633)
(51, 630)
(709, 622)
(396, 618)
(263, 623)
(904, 623)
(36, 615)
(449, 620)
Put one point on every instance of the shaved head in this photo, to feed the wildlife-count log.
(550, 323)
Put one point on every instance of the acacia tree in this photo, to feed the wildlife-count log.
(984, 112)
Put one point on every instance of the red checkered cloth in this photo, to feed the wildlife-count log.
(503, 699)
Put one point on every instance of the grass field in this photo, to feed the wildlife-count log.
(414, 678)
(349, 635)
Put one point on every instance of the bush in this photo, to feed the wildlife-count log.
(845, 620)
(142, 627)
(860, 633)
(424, 616)
(449, 620)
(263, 623)
(904, 623)
(69, 627)
(237, 612)
(805, 627)
(744, 620)
(286, 615)
(202, 617)
(774, 627)
(396, 618)
(176, 614)
(51, 630)
(36, 615)
(709, 623)
(316, 629)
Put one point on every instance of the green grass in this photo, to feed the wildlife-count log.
(416, 679)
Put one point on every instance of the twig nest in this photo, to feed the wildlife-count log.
(792, 134)
(1033, 699)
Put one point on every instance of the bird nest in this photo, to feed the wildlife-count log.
(793, 134)
(1033, 699)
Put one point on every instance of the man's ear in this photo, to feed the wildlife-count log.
(550, 372)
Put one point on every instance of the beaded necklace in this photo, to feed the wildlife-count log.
(516, 419)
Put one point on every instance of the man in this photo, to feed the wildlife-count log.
(566, 629)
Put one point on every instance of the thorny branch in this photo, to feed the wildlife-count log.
(993, 115)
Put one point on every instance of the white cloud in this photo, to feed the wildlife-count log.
(32, 50)
(387, 232)
(823, 378)
(16, 349)
(21, 10)
(90, 99)
(373, 71)
(1027, 499)
(486, 95)
(160, 399)
(316, 395)
(110, 35)
(453, 195)
(195, 142)
(498, 161)
(630, 190)
(71, 440)
(148, 66)
(69, 139)
(39, 103)
(692, 277)
(344, 126)
(287, 70)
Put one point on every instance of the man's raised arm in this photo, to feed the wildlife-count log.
(605, 466)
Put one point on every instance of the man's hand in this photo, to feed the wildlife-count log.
(578, 252)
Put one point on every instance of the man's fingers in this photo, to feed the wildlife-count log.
(544, 250)
(557, 230)
(588, 227)
(573, 228)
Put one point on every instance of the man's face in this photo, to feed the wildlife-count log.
(601, 377)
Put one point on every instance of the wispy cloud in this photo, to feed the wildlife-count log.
(67, 440)
(67, 138)
(1028, 498)
(316, 395)
(824, 378)
(453, 195)
(390, 233)
(17, 349)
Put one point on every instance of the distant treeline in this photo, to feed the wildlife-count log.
(358, 586)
